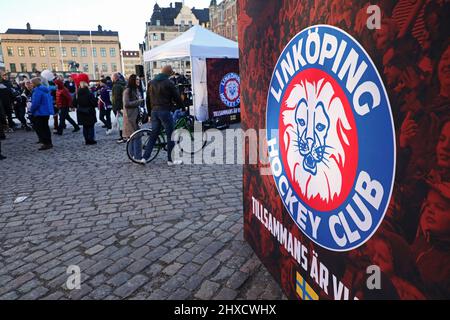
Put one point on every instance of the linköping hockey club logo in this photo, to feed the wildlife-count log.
(331, 138)
(230, 90)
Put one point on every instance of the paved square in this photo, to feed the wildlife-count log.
(135, 232)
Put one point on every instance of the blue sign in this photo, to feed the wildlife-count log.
(331, 138)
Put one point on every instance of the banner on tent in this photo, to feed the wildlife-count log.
(224, 88)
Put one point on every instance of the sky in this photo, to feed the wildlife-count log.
(126, 17)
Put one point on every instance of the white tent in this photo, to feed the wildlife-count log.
(197, 44)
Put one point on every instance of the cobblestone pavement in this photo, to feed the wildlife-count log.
(135, 232)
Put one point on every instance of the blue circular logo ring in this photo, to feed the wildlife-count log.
(331, 138)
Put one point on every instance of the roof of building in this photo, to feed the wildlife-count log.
(28, 30)
(201, 14)
(166, 16)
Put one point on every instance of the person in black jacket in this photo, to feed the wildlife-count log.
(20, 106)
(85, 103)
(161, 96)
(7, 97)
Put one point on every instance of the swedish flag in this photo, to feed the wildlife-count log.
(304, 290)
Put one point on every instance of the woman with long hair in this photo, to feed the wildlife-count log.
(132, 99)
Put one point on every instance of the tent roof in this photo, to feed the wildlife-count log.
(196, 42)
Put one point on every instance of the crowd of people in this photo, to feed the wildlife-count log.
(35, 101)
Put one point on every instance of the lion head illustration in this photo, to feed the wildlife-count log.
(232, 90)
(315, 136)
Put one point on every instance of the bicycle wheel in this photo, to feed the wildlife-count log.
(190, 145)
(138, 142)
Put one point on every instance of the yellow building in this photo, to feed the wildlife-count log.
(93, 52)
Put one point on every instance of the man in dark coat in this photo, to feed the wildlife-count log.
(161, 96)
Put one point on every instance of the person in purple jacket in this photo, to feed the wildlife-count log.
(105, 105)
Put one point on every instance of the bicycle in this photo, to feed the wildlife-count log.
(140, 139)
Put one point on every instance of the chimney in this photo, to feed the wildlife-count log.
(28, 26)
(100, 28)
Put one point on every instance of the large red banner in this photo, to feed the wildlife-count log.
(355, 100)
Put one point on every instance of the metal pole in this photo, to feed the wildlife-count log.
(92, 55)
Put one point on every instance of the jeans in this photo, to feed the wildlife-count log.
(160, 119)
(105, 117)
(136, 149)
(19, 110)
(178, 114)
(63, 116)
(89, 133)
(42, 129)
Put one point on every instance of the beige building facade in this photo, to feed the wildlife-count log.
(130, 60)
(29, 50)
(223, 18)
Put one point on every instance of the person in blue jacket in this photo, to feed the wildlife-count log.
(42, 109)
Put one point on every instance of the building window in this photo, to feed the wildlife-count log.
(44, 66)
(85, 67)
(112, 52)
(42, 52)
(52, 52)
(103, 52)
(10, 51)
(23, 67)
(163, 36)
(84, 52)
(54, 66)
(114, 67)
(21, 51)
(12, 66)
(158, 22)
(74, 51)
(155, 37)
(104, 67)
(33, 67)
(32, 51)
(94, 52)
(64, 52)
